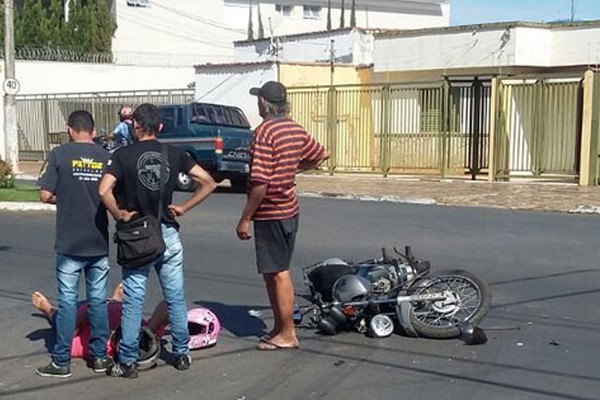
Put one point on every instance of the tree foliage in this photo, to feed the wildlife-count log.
(328, 15)
(250, 25)
(261, 28)
(89, 27)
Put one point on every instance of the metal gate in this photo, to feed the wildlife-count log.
(42, 119)
(539, 128)
(471, 102)
(437, 128)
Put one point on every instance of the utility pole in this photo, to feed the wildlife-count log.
(332, 61)
(573, 6)
(11, 87)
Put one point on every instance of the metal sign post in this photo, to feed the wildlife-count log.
(11, 87)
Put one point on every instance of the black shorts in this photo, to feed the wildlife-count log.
(274, 242)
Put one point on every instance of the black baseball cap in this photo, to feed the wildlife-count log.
(273, 92)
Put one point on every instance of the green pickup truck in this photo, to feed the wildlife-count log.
(216, 136)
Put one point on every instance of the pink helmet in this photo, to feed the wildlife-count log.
(204, 327)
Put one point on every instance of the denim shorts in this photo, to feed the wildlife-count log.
(274, 242)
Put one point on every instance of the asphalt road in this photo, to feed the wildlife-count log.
(542, 269)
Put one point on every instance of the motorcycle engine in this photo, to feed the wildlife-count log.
(385, 277)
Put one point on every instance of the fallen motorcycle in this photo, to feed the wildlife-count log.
(393, 293)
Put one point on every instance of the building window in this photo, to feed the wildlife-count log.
(283, 10)
(312, 12)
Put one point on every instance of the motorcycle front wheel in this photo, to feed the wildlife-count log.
(467, 299)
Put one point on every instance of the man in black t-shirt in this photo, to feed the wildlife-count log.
(134, 172)
(70, 179)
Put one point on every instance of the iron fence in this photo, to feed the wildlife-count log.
(42, 119)
(404, 128)
(539, 127)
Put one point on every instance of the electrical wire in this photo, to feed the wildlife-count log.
(197, 18)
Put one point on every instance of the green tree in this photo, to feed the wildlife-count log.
(55, 24)
(261, 28)
(89, 29)
(2, 24)
(250, 26)
(106, 27)
(328, 15)
(32, 27)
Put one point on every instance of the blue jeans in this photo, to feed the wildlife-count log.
(68, 270)
(169, 268)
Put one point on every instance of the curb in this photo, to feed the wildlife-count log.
(374, 198)
(26, 206)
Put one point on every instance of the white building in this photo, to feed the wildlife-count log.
(187, 32)
(506, 48)
(350, 46)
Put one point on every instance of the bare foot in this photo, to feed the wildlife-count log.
(41, 303)
(278, 342)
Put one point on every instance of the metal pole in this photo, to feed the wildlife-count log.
(10, 107)
(331, 61)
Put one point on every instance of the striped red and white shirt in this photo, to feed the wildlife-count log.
(278, 147)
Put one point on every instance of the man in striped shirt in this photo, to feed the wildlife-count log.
(280, 148)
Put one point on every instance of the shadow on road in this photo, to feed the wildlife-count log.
(240, 320)
(46, 334)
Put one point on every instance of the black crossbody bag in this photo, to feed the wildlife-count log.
(140, 240)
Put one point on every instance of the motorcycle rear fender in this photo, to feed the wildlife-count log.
(403, 310)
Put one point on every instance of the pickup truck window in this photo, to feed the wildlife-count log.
(218, 115)
(170, 117)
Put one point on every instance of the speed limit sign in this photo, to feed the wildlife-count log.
(11, 86)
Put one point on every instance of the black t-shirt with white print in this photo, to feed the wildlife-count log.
(137, 169)
(73, 172)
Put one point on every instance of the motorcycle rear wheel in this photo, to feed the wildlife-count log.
(469, 300)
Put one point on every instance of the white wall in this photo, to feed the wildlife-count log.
(37, 77)
(422, 51)
(399, 14)
(191, 32)
(533, 46)
(526, 45)
(350, 46)
(182, 32)
(231, 84)
(575, 46)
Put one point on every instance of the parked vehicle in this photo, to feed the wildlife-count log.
(380, 296)
(216, 136)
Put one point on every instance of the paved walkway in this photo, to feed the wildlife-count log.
(512, 195)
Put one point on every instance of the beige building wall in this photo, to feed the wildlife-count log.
(349, 136)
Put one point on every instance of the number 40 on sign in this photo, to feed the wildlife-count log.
(11, 86)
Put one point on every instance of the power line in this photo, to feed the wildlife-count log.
(197, 18)
(183, 35)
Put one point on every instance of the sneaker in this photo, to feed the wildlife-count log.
(54, 371)
(99, 364)
(182, 362)
(119, 370)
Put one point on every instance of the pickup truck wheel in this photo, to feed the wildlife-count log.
(185, 183)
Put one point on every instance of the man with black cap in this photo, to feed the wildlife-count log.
(280, 148)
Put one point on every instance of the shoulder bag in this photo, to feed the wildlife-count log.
(140, 240)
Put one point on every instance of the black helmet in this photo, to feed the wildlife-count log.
(149, 347)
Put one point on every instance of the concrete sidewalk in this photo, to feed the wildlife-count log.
(510, 195)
